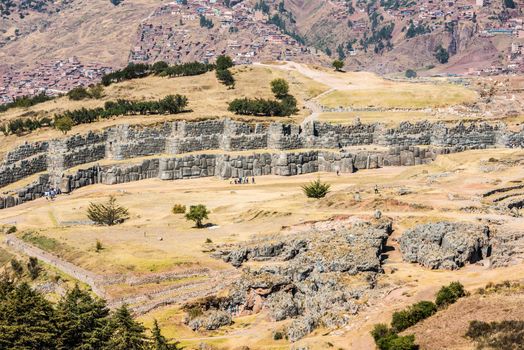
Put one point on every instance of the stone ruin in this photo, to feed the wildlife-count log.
(446, 245)
(303, 278)
(407, 144)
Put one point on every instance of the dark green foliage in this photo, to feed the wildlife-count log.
(280, 88)
(197, 213)
(11, 229)
(226, 78)
(108, 214)
(410, 73)
(81, 321)
(116, 2)
(33, 268)
(316, 189)
(510, 4)
(159, 341)
(98, 246)
(448, 295)
(141, 70)
(338, 65)
(17, 268)
(285, 106)
(26, 101)
(442, 55)
(27, 320)
(412, 315)
(78, 93)
(413, 30)
(281, 24)
(206, 23)
(78, 321)
(223, 62)
(387, 339)
(507, 334)
(126, 333)
(262, 6)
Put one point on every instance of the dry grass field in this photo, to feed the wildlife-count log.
(155, 241)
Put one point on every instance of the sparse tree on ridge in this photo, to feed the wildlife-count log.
(64, 124)
(338, 65)
(280, 88)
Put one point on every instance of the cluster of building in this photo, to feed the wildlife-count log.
(51, 78)
(173, 33)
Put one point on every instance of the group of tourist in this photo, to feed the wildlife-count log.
(242, 180)
(51, 193)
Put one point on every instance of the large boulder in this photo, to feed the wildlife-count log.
(446, 245)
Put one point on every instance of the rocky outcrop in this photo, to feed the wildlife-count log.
(446, 245)
(304, 278)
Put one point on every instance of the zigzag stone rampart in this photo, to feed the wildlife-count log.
(176, 138)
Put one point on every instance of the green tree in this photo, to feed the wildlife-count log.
(81, 321)
(126, 333)
(226, 78)
(159, 341)
(64, 123)
(510, 4)
(338, 65)
(96, 91)
(197, 213)
(316, 189)
(108, 214)
(224, 62)
(33, 267)
(410, 73)
(17, 268)
(280, 88)
(27, 320)
(442, 55)
(78, 93)
(448, 295)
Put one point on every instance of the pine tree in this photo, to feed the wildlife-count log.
(127, 334)
(26, 320)
(159, 341)
(107, 214)
(82, 321)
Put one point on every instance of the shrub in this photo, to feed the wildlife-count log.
(410, 73)
(316, 189)
(507, 334)
(11, 229)
(17, 267)
(64, 124)
(108, 214)
(338, 65)
(448, 295)
(98, 246)
(280, 88)
(442, 55)
(278, 336)
(78, 93)
(197, 213)
(33, 268)
(412, 315)
(96, 91)
(179, 209)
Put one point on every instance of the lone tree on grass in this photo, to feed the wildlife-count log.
(316, 189)
(280, 88)
(107, 214)
(197, 213)
(64, 124)
(338, 65)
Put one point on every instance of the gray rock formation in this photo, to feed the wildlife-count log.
(445, 245)
(304, 276)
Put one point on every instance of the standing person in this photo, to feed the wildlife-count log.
(376, 189)
(338, 172)
(253, 180)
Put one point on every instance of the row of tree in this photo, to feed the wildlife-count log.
(223, 73)
(26, 101)
(140, 70)
(77, 321)
(171, 104)
(284, 105)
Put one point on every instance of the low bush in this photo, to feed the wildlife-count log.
(448, 295)
(412, 315)
(10, 230)
(386, 339)
(507, 334)
(179, 209)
